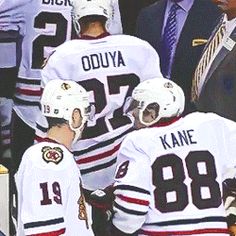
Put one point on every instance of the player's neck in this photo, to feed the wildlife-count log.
(94, 30)
(63, 135)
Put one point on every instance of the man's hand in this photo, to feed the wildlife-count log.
(232, 230)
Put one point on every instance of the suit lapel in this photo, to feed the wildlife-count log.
(213, 32)
(219, 58)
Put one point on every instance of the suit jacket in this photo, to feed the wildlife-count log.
(199, 24)
(218, 93)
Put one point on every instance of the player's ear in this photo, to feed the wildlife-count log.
(149, 115)
(76, 118)
(151, 112)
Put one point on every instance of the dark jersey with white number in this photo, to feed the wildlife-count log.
(169, 179)
(50, 201)
(109, 68)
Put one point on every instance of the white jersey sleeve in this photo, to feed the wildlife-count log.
(12, 15)
(50, 201)
(114, 23)
(229, 141)
(132, 194)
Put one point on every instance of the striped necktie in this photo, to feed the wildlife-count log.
(207, 55)
(168, 41)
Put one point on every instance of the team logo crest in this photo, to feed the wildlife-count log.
(54, 155)
(65, 86)
(168, 85)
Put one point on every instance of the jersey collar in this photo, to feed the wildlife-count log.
(49, 140)
(97, 37)
(165, 123)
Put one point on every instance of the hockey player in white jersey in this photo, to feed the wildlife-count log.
(50, 200)
(170, 173)
(48, 24)
(109, 67)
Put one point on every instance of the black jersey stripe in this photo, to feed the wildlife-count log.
(132, 212)
(19, 101)
(190, 221)
(131, 188)
(101, 144)
(43, 223)
(98, 167)
(29, 81)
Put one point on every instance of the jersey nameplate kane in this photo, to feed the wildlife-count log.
(54, 155)
(181, 138)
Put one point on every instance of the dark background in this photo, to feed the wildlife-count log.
(129, 10)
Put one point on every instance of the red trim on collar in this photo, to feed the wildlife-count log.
(97, 37)
(160, 124)
(48, 140)
(52, 141)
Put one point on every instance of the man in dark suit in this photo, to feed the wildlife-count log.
(195, 22)
(215, 89)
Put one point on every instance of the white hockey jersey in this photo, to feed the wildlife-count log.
(49, 195)
(48, 24)
(109, 68)
(169, 179)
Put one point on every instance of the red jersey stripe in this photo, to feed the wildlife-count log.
(98, 156)
(133, 200)
(187, 232)
(53, 233)
(29, 92)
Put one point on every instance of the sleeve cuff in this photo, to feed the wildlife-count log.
(116, 232)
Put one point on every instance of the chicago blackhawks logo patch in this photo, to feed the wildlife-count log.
(54, 155)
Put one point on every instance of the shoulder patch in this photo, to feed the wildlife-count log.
(50, 154)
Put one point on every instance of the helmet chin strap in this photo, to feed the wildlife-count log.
(78, 133)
